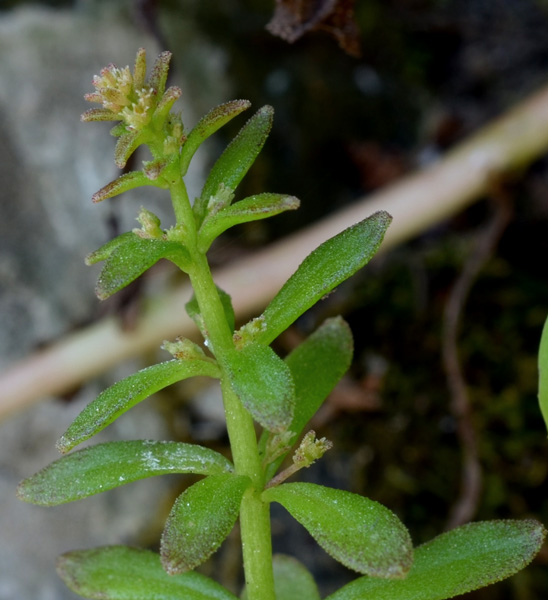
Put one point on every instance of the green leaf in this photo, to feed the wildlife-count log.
(193, 311)
(126, 145)
(262, 381)
(360, 533)
(457, 562)
(249, 209)
(201, 518)
(543, 373)
(106, 466)
(121, 573)
(236, 160)
(207, 126)
(107, 249)
(132, 258)
(292, 580)
(326, 267)
(128, 392)
(316, 366)
(124, 183)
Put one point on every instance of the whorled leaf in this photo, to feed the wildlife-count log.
(457, 562)
(249, 209)
(316, 365)
(132, 258)
(263, 383)
(121, 396)
(122, 573)
(358, 532)
(236, 160)
(207, 126)
(109, 465)
(330, 264)
(201, 518)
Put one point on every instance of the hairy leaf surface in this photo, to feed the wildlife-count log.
(249, 209)
(207, 126)
(121, 573)
(132, 258)
(330, 264)
(237, 158)
(360, 533)
(124, 394)
(112, 464)
(457, 562)
(263, 383)
(316, 365)
(201, 518)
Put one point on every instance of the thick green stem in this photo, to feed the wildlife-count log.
(254, 513)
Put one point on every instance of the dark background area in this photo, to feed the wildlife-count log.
(429, 73)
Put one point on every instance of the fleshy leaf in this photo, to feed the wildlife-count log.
(132, 258)
(201, 518)
(128, 392)
(263, 383)
(330, 264)
(106, 466)
(99, 114)
(543, 373)
(207, 126)
(237, 158)
(252, 208)
(171, 96)
(124, 183)
(316, 365)
(457, 562)
(125, 146)
(193, 311)
(292, 580)
(122, 573)
(358, 532)
(158, 77)
(107, 249)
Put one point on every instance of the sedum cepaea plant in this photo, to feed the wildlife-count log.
(268, 400)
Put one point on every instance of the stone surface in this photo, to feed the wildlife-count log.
(50, 165)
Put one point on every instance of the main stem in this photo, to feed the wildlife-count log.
(254, 513)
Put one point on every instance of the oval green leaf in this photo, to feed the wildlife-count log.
(201, 518)
(263, 383)
(253, 208)
(236, 160)
(457, 562)
(543, 374)
(316, 366)
(292, 580)
(128, 392)
(330, 264)
(360, 533)
(207, 126)
(132, 258)
(121, 573)
(112, 464)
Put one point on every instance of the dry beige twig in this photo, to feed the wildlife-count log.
(416, 203)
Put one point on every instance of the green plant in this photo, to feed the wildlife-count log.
(258, 387)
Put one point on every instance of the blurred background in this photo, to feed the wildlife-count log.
(365, 92)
